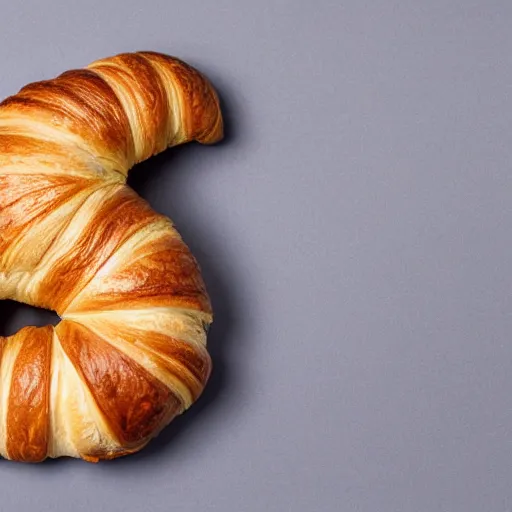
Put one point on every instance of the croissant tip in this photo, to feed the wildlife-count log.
(214, 135)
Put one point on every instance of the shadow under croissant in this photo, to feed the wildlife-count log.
(7, 310)
(15, 315)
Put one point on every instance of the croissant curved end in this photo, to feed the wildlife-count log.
(130, 352)
(206, 122)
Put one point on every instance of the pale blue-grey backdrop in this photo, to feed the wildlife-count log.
(355, 232)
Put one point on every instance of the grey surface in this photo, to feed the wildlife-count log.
(355, 232)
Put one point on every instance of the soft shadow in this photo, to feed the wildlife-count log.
(7, 310)
(15, 315)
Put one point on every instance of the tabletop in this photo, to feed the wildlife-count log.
(354, 232)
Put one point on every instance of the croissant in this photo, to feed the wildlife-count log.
(129, 353)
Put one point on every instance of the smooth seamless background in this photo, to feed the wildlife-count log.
(355, 234)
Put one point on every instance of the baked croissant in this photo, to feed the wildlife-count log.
(130, 351)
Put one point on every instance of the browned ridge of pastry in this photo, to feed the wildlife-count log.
(130, 352)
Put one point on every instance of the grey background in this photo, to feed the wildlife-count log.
(355, 234)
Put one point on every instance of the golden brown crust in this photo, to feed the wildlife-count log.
(166, 275)
(120, 216)
(202, 117)
(140, 91)
(27, 198)
(83, 104)
(27, 413)
(189, 362)
(76, 239)
(132, 401)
